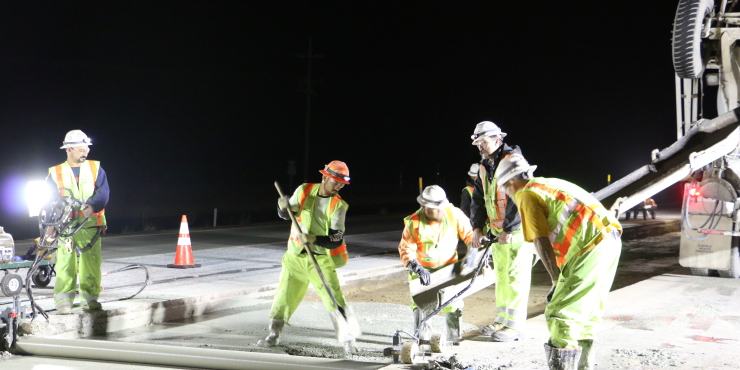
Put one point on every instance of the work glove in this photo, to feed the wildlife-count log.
(549, 295)
(283, 202)
(306, 239)
(424, 276)
(87, 210)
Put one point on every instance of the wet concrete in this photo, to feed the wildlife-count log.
(225, 305)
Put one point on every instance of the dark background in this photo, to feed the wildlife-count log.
(195, 105)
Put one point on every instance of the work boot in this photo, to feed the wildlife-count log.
(454, 320)
(425, 332)
(489, 329)
(272, 339)
(562, 358)
(92, 306)
(64, 308)
(587, 360)
(507, 334)
(350, 346)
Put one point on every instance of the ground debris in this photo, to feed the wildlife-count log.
(654, 358)
(6, 355)
(452, 363)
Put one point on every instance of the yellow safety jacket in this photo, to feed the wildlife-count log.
(82, 188)
(304, 216)
(576, 220)
(434, 249)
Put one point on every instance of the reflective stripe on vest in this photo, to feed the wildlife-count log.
(470, 190)
(431, 253)
(496, 207)
(571, 220)
(81, 190)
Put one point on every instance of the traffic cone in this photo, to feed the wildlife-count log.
(184, 253)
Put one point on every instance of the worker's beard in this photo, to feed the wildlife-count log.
(82, 159)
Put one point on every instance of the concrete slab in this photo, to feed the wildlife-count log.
(670, 320)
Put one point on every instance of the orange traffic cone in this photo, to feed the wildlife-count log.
(184, 253)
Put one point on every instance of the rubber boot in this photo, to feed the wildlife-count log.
(425, 332)
(587, 360)
(453, 321)
(562, 358)
(272, 339)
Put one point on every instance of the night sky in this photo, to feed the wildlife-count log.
(193, 105)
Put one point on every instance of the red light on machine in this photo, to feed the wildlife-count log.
(694, 192)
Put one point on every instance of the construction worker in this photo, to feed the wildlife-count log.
(467, 192)
(320, 211)
(579, 242)
(87, 182)
(429, 242)
(512, 257)
(648, 206)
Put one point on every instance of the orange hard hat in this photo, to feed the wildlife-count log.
(337, 170)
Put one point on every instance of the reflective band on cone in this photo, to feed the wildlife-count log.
(184, 253)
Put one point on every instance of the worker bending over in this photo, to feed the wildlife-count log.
(579, 242)
(429, 242)
(512, 256)
(320, 211)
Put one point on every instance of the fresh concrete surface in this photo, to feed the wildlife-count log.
(671, 320)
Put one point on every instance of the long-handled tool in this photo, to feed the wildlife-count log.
(347, 326)
(447, 285)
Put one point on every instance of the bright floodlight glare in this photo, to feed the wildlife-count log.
(37, 194)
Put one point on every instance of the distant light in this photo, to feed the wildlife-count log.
(37, 195)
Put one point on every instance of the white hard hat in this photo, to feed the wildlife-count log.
(433, 197)
(512, 166)
(486, 128)
(474, 169)
(75, 138)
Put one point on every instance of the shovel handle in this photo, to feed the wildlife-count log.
(310, 253)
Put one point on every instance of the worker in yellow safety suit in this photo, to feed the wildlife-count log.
(467, 193)
(512, 256)
(88, 183)
(579, 242)
(429, 242)
(321, 212)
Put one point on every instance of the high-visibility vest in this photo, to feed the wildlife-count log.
(470, 190)
(306, 200)
(495, 201)
(434, 248)
(576, 220)
(82, 188)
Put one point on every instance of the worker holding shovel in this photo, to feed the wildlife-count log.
(316, 249)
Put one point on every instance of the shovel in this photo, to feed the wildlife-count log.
(344, 319)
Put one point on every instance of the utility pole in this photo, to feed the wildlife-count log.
(310, 58)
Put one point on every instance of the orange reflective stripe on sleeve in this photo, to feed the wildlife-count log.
(337, 251)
